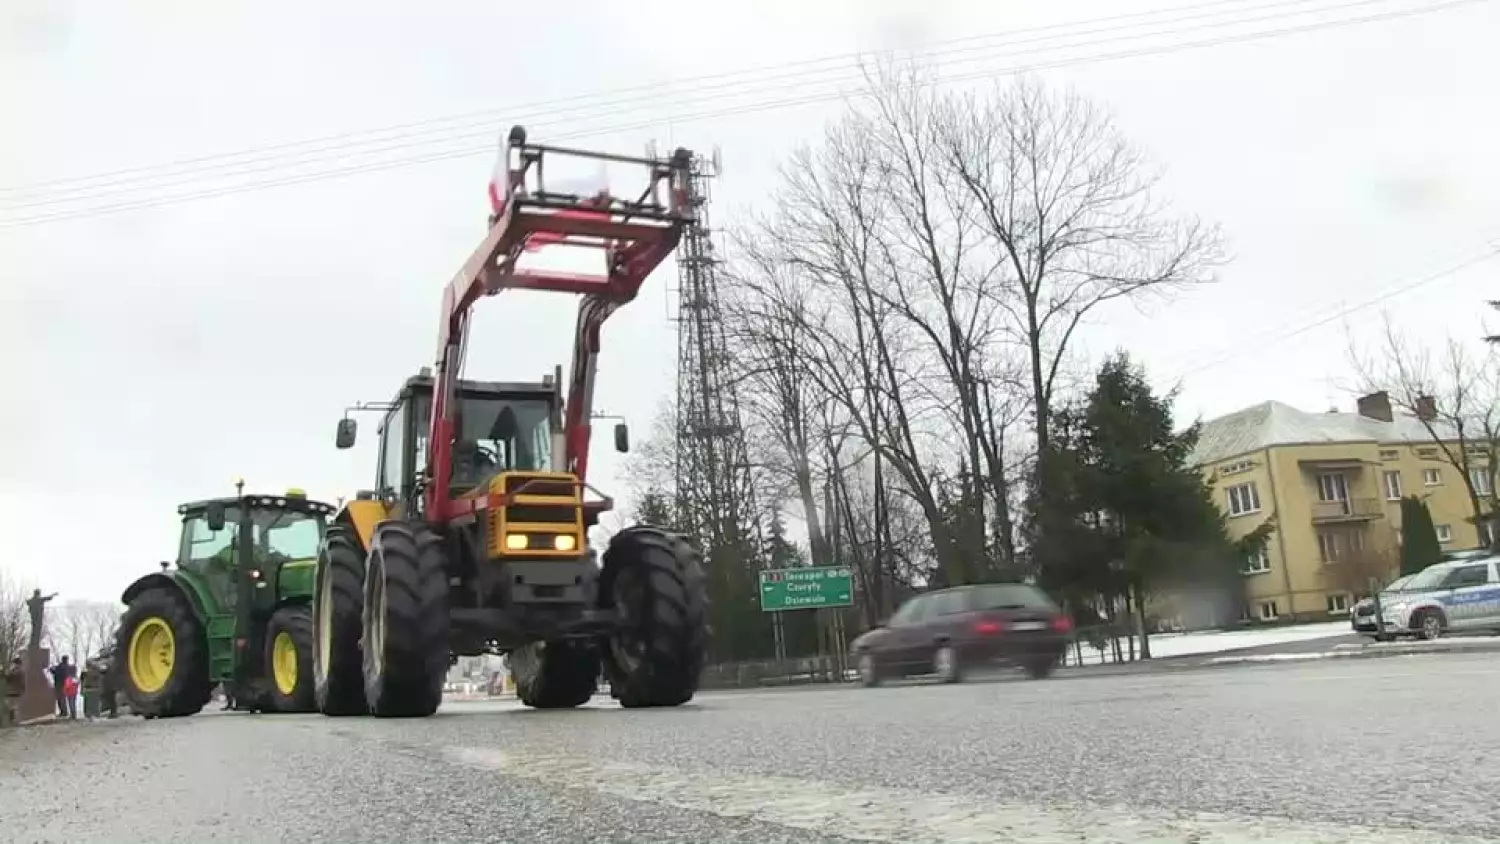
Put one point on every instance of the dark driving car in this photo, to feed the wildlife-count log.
(952, 630)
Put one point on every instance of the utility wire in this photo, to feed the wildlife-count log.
(332, 152)
(795, 71)
(1401, 287)
(732, 111)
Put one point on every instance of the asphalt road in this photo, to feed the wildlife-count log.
(1369, 751)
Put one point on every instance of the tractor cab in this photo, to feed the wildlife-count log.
(262, 547)
(499, 427)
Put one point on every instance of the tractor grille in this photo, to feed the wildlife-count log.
(542, 513)
(537, 486)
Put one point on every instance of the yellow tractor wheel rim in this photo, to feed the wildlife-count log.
(284, 663)
(152, 655)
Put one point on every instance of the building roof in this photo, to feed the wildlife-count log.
(1272, 423)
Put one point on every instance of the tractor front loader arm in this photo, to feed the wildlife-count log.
(635, 235)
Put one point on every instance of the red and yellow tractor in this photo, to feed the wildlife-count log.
(474, 538)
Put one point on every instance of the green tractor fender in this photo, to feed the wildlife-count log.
(188, 584)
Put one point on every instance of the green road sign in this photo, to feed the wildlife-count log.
(805, 589)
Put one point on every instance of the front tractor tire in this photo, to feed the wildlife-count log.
(555, 675)
(338, 609)
(653, 579)
(405, 629)
(164, 654)
(289, 660)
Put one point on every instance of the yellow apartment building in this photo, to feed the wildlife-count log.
(1333, 482)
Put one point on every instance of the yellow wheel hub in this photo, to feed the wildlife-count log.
(152, 654)
(284, 663)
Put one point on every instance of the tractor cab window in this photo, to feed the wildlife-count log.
(202, 547)
(284, 535)
(393, 472)
(501, 435)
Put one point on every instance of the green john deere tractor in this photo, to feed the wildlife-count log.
(235, 610)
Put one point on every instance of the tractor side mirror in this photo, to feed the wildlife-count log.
(622, 438)
(213, 515)
(344, 438)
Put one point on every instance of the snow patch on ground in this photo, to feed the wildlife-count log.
(1218, 641)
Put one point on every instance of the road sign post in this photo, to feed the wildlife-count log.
(806, 588)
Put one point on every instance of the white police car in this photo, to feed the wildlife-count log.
(1459, 596)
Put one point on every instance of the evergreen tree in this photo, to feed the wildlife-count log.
(780, 552)
(655, 508)
(1124, 513)
(1419, 542)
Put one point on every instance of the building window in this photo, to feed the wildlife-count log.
(1333, 487)
(1444, 533)
(1257, 562)
(1338, 603)
(1236, 467)
(1243, 498)
(1268, 611)
(1328, 546)
(1389, 454)
(1480, 479)
(1392, 486)
(1432, 477)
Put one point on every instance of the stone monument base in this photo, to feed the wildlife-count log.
(38, 701)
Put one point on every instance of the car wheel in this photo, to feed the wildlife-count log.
(945, 664)
(1430, 626)
(869, 672)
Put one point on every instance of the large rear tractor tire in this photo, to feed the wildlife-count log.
(555, 675)
(338, 608)
(405, 630)
(164, 654)
(653, 578)
(289, 660)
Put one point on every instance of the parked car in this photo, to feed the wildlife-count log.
(1458, 596)
(950, 631)
(1362, 614)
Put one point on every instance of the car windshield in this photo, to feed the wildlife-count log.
(1010, 596)
(1429, 578)
(1399, 583)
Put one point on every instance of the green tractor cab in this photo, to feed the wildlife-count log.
(234, 610)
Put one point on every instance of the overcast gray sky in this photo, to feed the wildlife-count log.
(1345, 164)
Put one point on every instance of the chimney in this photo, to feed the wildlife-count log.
(1375, 406)
(1426, 408)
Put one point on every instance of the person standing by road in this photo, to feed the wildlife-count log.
(15, 689)
(91, 684)
(63, 672)
(109, 686)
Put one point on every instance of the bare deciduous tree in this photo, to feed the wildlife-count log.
(81, 629)
(1070, 211)
(1362, 568)
(15, 619)
(1453, 391)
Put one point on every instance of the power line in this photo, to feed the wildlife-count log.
(652, 91)
(333, 147)
(733, 111)
(1401, 287)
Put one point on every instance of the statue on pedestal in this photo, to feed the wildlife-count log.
(37, 605)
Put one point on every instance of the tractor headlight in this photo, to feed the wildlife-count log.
(565, 542)
(516, 541)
